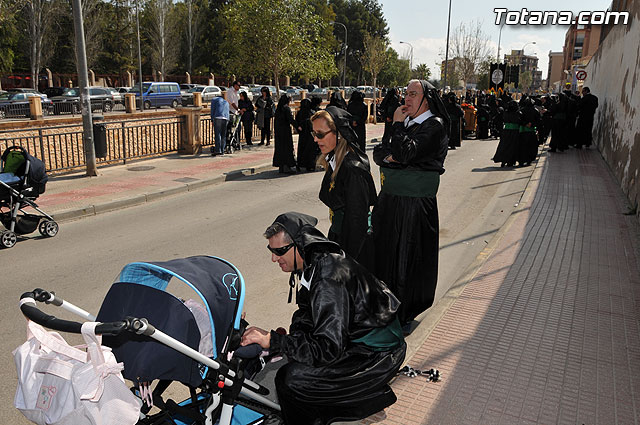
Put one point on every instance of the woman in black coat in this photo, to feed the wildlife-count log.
(359, 111)
(528, 144)
(336, 99)
(246, 109)
(265, 108)
(347, 187)
(283, 153)
(307, 148)
(456, 114)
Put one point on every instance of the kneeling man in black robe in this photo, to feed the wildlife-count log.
(344, 344)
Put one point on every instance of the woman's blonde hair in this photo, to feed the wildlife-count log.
(341, 149)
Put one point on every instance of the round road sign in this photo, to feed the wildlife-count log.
(581, 75)
(497, 76)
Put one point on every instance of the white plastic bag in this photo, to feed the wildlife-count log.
(64, 385)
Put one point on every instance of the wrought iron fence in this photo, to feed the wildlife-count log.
(61, 147)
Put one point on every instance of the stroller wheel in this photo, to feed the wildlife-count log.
(48, 228)
(8, 239)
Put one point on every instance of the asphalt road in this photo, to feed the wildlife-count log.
(227, 220)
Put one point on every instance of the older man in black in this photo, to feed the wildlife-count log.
(586, 110)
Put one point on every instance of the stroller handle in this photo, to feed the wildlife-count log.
(31, 311)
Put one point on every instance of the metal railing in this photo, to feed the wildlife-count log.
(61, 148)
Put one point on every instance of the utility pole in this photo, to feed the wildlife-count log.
(83, 76)
(139, 57)
(446, 53)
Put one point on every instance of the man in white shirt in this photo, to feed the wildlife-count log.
(233, 95)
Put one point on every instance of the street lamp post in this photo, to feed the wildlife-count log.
(410, 54)
(446, 52)
(344, 67)
(139, 56)
(499, 38)
(523, 60)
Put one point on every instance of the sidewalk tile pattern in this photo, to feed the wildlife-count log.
(547, 332)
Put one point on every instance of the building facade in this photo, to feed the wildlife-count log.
(527, 64)
(580, 44)
(554, 71)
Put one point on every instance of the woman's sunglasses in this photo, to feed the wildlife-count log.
(280, 251)
(318, 135)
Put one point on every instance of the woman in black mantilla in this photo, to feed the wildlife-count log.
(347, 187)
(507, 150)
(283, 152)
(264, 108)
(405, 218)
(307, 149)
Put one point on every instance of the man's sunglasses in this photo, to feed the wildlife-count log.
(318, 135)
(280, 251)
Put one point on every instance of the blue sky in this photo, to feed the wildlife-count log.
(423, 24)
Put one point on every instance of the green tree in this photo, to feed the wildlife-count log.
(395, 72)
(361, 17)
(422, 72)
(281, 40)
(483, 75)
(8, 35)
(374, 57)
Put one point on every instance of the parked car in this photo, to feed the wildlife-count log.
(118, 98)
(185, 87)
(318, 92)
(16, 104)
(123, 90)
(69, 102)
(309, 87)
(294, 93)
(26, 90)
(367, 91)
(207, 92)
(158, 94)
(53, 91)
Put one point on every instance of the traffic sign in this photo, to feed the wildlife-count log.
(497, 76)
(581, 75)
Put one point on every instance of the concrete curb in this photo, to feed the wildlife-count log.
(91, 210)
(433, 315)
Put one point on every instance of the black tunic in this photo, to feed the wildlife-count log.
(283, 151)
(483, 122)
(528, 144)
(349, 199)
(307, 148)
(406, 228)
(586, 110)
(329, 376)
(360, 113)
(507, 150)
(456, 114)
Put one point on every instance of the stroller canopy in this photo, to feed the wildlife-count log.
(141, 290)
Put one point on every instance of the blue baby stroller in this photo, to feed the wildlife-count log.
(22, 180)
(160, 337)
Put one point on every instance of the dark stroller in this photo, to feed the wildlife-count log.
(22, 180)
(233, 133)
(160, 337)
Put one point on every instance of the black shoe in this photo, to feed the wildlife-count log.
(261, 143)
(249, 144)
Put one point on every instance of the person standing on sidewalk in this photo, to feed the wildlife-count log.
(233, 97)
(307, 148)
(265, 110)
(360, 112)
(389, 105)
(246, 111)
(456, 114)
(405, 218)
(347, 187)
(586, 110)
(220, 119)
(283, 157)
(344, 344)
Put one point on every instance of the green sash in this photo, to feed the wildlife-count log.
(383, 339)
(525, 129)
(511, 126)
(410, 183)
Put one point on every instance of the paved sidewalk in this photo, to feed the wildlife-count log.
(546, 331)
(75, 195)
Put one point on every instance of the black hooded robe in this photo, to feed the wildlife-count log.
(283, 150)
(350, 196)
(508, 147)
(483, 122)
(456, 114)
(528, 144)
(337, 370)
(360, 112)
(307, 148)
(586, 110)
(405, 218)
